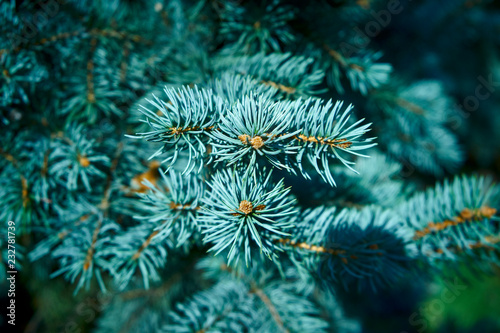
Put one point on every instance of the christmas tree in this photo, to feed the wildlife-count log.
(248, 166)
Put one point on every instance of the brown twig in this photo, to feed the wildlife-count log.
(254, 289)
(279, 86)
(104, 206)
(270, 306)
(90, 72)
(107, 190)
(341, 59)
(91, 33)
(123, 64)
(490, 241)
(91, 249)
(405, 104)
(466, 215)
(337, 143)
(258, 142)
(45, 165)
(321, 249)
(314, 248)
(145, 244)
(24, 181)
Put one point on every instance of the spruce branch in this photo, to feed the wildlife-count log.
(290, 76)
(465, 216)
(255, 128)
(182, 123)
(454, 219)
(256, 31)
(362, 70)
(235, 102)
(355, 248)
(274, 295)
(175, 205)
(244, 212)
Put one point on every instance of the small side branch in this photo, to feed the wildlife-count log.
(180, 130)
(341, 59)
(92, 33)
(107, 191)
(337, 143)
(9, 158)
(261, 294)
(314, 248)
(24, 181)
(91, 250)
(466, 215)
(279, 86)
(321, 249)
(104, 206)
(175, 206)
(270, 306)
(145, 244)
(405, 104)
(258, 142)
(45, 165)
(488, 245)
(90, 72)
(123, 64)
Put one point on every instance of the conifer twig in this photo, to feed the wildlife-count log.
(104, 206)
(466, 215)
(270, 306)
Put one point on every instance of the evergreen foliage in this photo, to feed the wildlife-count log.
(237, 166)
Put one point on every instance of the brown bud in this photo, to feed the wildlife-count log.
(246, 207)
(84, 161)
(257, 142)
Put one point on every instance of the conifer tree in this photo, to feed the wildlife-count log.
(246, 166)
